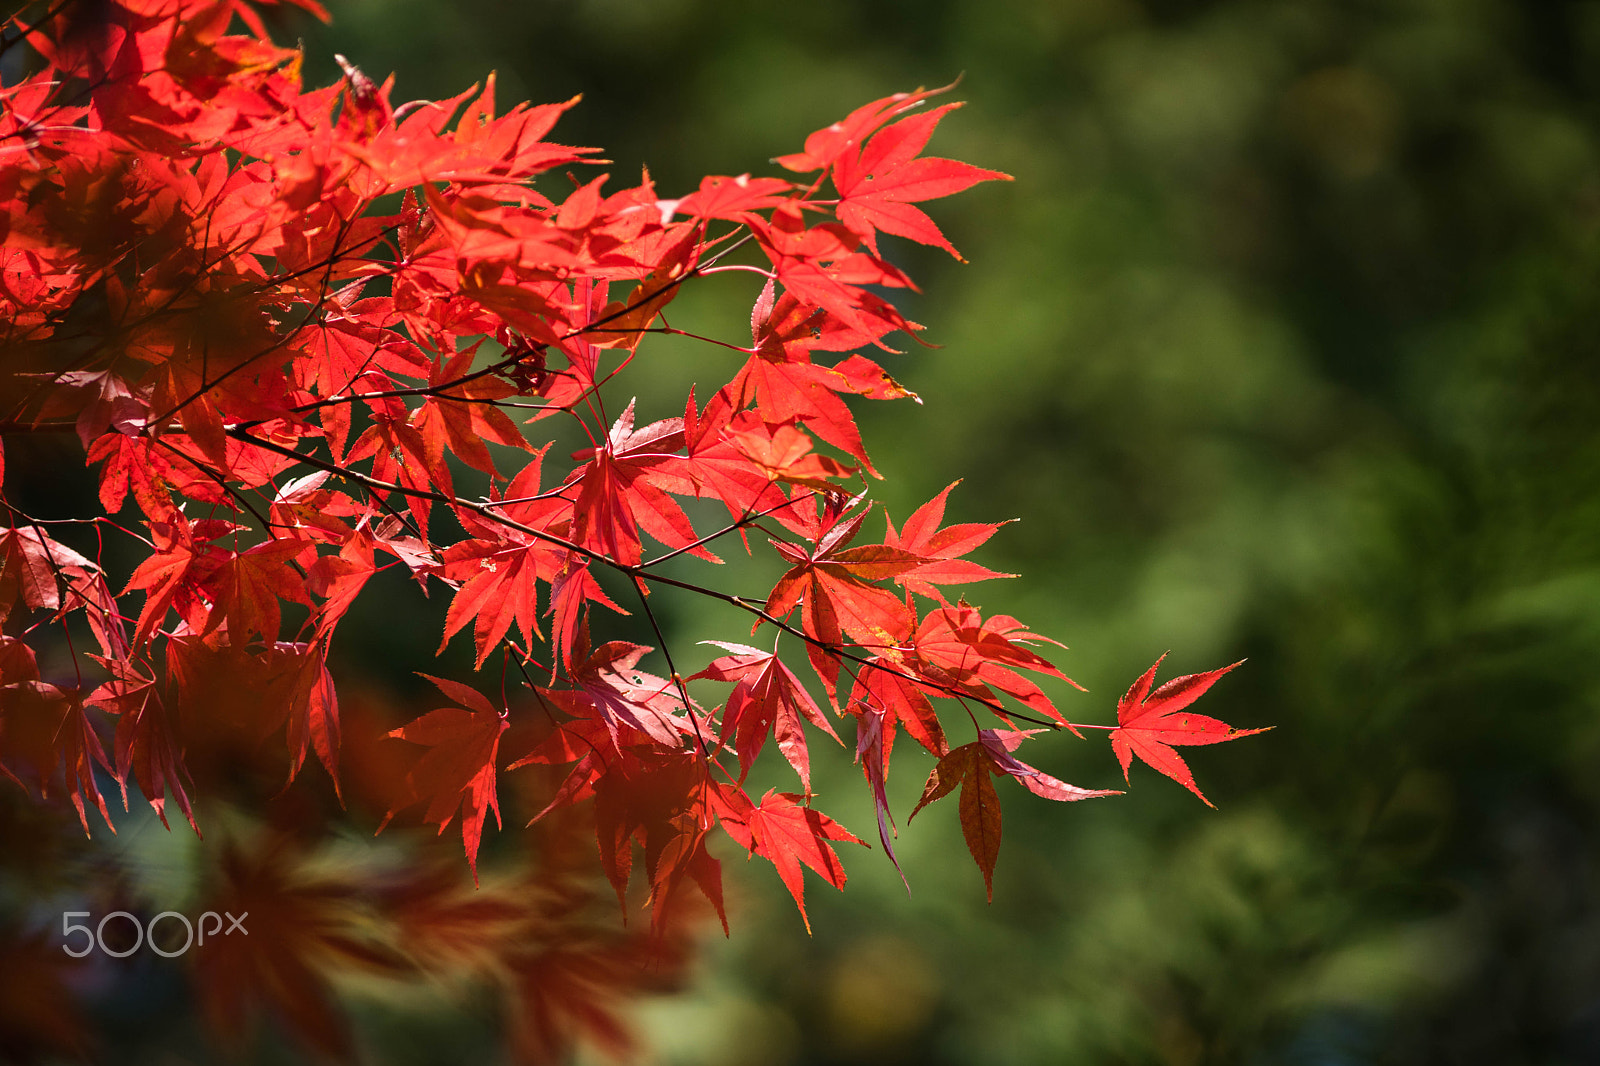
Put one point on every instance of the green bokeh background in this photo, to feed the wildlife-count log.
(1281, 345)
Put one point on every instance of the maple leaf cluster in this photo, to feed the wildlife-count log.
(288, 325)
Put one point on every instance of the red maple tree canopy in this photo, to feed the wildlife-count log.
(289, 325)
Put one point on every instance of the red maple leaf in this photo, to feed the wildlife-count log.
(820, 266)
(1150, 724)
(766, 699)
(942, 548)
(878, 185)
(874, 742)
(457, 773)
(247, 586)
(621, 324)
(174, 573)
(339, 579)
(882, 686)
(732, 198)
(783, 453)
(500, 567)
(785, 385)
(968, 768)
(783, 830)
(463, 418)
(717, 469)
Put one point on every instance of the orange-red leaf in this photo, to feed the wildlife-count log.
(878, 185)
(785, 831)
(1149, 725)
(766, 698)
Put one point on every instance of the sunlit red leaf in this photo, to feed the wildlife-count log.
(1151, 724)
(783, 830)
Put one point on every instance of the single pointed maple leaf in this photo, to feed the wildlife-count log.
(957, 646)
(313, 510)
(968, 768)
(1150, 725)
(339, 579)
(400, 454)
(502, 588)
(942, 548)
(571, 592)
(463, 418)
(249, 585)
(88, 589)
(314, 718)
(134, 464)
(834, 140)
(685, 855)
(174, 573)
(782, 829)
(457, 773)
(878, 185)
(980, 821)
(732, 198)
(766, 698)
(784, 328)
(95, 398)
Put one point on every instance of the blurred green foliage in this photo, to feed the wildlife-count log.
(1282, 344)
